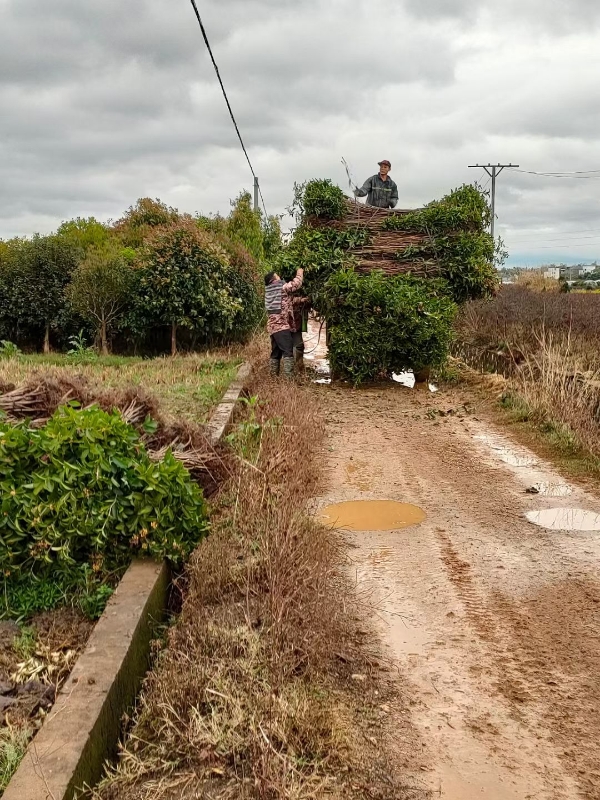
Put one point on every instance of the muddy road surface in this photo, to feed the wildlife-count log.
(491, 622)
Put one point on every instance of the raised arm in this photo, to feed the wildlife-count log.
(366, 188)
(294, 284)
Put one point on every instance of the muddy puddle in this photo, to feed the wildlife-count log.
(551, 489)
(565, 519)
(371, 515)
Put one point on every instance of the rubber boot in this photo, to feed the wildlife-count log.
(274, 367)
(288, 368)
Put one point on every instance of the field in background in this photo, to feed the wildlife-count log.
(548, 345)
(186, 387)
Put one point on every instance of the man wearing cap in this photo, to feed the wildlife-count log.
(380, 190)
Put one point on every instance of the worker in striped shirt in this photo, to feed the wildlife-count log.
(280, 320)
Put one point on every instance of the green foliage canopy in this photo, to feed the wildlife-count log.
(81, 492)
(380, 325)
(101, 288)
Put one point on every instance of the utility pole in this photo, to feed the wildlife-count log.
(493, 170)
(256, 193)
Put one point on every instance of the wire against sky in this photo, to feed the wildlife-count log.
(581, 175)
(235, 125)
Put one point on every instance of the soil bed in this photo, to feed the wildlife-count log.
(35, 660)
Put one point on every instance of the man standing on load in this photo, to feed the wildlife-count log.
(280, 320)
(380, 190)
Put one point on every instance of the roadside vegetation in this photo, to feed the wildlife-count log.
(155, 280)
(267, 687)
(547, 344)
(101, 459)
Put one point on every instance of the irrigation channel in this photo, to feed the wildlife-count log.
(487, 602)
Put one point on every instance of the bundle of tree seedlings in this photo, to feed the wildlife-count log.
(368, 269)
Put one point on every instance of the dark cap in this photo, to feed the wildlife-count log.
(385, 162)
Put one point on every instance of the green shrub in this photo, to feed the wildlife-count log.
(320, 198)
(186, 279)
(380, 325)
(81, 494)
(8, 350)
(464, 209)
(459, 241)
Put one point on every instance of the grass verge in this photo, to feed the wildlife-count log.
(265, 689)
(13, 744)
(531, 423)
(186, 387)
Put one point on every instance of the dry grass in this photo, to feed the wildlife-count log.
(553, 388)
(187, 387)
(548, 346)
(253, 697)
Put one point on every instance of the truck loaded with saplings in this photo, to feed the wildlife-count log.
(389, 283)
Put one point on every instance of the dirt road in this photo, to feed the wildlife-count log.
(492, 623)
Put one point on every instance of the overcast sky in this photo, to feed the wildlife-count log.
(105, 102)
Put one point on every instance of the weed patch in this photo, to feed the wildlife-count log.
(253, 695)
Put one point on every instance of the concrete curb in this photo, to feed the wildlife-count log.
(83, 727)
(221, 416)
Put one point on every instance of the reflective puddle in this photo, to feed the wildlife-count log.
(565, 519)
(551, 489)
(513, 459)
(371, 515)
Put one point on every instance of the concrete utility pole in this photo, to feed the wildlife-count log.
(493, 170)
(256, 193)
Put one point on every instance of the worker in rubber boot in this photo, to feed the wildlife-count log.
(300, 307)
(280, 320)
(380, 190)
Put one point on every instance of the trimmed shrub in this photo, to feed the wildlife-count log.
(381, 325)
(321, 198)
(80, 497)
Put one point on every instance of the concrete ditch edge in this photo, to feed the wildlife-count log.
(224, 411)
(82, 729)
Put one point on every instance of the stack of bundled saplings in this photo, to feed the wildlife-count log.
(389, 282)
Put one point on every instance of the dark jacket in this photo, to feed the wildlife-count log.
(381, 194)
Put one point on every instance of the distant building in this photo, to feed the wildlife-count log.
(573, 273)
(552, 272)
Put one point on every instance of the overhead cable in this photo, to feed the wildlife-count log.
(235, 125)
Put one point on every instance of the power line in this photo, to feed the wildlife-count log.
(550, 233)
(583, 175)
(235, 125)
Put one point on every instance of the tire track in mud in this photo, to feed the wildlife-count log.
(508, 682)
(518, 662)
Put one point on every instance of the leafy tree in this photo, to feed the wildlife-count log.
(40, 271)
(139, 220)
(84, 233)
(272, 238)
(100, 289)
(184, 282)
(244, 226)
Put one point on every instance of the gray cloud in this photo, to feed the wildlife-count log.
(106, 102)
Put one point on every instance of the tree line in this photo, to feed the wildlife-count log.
(155, 279)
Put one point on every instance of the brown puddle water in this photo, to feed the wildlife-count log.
(566, 519)
(371, 515)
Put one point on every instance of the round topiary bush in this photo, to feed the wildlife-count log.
(380, 325)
